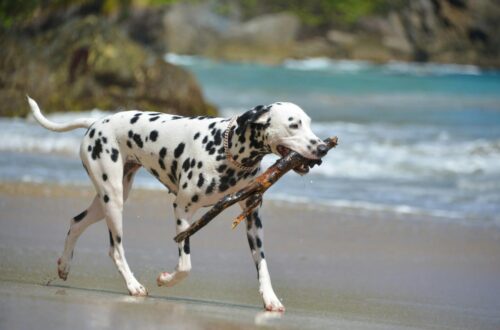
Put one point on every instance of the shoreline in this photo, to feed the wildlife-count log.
(331, 268)
(346, 208)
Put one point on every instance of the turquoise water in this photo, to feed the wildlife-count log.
(413, 138)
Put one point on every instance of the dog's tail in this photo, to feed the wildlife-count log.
(57, 127)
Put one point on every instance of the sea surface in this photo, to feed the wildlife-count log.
(413, 138)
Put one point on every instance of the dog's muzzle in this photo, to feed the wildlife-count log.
(302, 169)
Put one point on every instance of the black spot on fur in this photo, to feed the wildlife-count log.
(153, 135)
(221, 168)
(179, 222)
(205, 139)
(106, 198)
(130, 134)
(218, 137)
(80, 216)
(162, 164)
(201, 180)
(197, 135)
(262, 255)
(104, 177)
(155, 173)
(250, 242)
(211, 187)
(89, 148)
(92, 132)
(185, 165)
(97, 149)
(258, 222)
(129, 144)
(138, 140)
(173, 172)
(187, 248)
(118, 239)
(135, 118)
(104, 139)
(114, 154)
(111, 242)
(154, 118)
(212, 125)
(184, 186)
(163, 152)
(190, 175)
(179, 150)
(259, 242)
(200, 164)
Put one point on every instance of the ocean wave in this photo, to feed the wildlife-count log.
(365, 151)
(393, 67)
(391, 151)
(184, 60)
(26, 135)
(429, 69)
(323, 63)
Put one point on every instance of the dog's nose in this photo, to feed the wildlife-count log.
(322, 150)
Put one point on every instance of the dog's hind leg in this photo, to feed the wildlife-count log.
(255, 236)
(183, 217)
(79, 223)
(91, 215)
(112, 193)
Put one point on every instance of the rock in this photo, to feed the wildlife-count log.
(88, 63)
(269, 30)
(395, 37)
(341, 38)
(318, 47)
(192, 28)
(266, 39)
(145, 26)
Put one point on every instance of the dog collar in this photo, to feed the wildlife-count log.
(229, 156)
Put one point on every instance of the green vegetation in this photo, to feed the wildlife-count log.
(320, 13)
(313, 13)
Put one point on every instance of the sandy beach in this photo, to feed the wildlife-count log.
(332, 268)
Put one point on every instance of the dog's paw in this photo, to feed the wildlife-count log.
(163, 278)
(137, 289)
(271, 302)
(62, 269)
(168, 280)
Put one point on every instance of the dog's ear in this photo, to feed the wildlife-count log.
(258, 115)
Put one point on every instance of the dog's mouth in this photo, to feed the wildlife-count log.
(284, 151)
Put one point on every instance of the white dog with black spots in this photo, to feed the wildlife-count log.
(198, 159)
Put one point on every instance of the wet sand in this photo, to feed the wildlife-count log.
(332, 268)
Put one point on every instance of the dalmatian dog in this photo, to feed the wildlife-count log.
(198, 159)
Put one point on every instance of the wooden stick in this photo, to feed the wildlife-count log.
(255, 189)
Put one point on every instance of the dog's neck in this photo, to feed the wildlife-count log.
(247, 144)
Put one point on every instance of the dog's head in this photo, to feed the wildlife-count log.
(286, 127)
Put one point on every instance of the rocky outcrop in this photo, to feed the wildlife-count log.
(448, 31)
(197, 29)
(90, 63)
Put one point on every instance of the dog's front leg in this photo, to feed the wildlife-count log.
(183, 218)
(255, 236)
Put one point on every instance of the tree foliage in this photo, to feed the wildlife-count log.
(313, 13)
